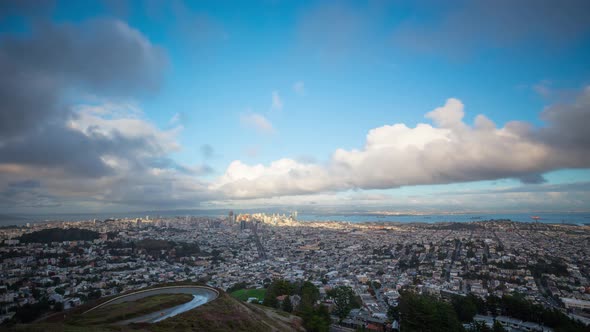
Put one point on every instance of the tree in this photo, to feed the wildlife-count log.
(287, 305)
(344, 301)
(270, 300)
(49, 235)
(310, 294)
(464, 307)
(316, 319)
(237, 286)
(420, 313)
(498, 327)
(479, 327)
(277, 288)
(393, 313)
(29, 312)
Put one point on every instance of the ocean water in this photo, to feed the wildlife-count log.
(551, 218)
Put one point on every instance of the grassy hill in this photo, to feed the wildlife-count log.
(223, 314)
(121, 311)
(245, 294)
(229, 314)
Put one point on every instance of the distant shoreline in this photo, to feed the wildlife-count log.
(577, 218)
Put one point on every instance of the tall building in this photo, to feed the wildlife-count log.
(231, 216)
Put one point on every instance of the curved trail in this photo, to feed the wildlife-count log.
(201, 295)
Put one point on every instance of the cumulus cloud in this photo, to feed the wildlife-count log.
(113, 159)
(101, 56)
(448, 151)
(55, 151)
(257, 122)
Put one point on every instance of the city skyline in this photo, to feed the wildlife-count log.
(378, 106)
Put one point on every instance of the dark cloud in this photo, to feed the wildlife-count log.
(104, 57)
(95, 155)
(567, 125)
(575, 187)
(25, 184)
(27, 193)
(58, 147)
(532, 179)
(466, 25)
(31, 8)
(81, 153)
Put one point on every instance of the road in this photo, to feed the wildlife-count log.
(456, 253)
(259, 246)
(201, 295)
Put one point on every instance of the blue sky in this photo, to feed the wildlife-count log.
(257, 82)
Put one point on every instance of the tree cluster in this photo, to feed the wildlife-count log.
(59, 235)
(316, 318)
(344, 300)
(421, 313)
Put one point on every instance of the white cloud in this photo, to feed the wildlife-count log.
(277, 103)
(447, 152)
(247, 181)
(257, 122)
(299, 88)
(125, 120)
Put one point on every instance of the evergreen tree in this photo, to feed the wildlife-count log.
(498, 327)
(464, 307)
(344, 301)
(479, 327)
(420, 313)
(287, 305)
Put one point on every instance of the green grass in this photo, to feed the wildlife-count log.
(220, 315)
(226, 314)
(244, 294)
(122, 311)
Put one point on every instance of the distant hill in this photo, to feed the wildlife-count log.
(58, 235)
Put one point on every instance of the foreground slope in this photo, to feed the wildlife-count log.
(222, 314)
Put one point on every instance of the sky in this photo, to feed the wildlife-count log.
(426, 106)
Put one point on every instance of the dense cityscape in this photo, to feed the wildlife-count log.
(545, 264)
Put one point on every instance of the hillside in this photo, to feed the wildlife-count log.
(223, 314)
(229, 314)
